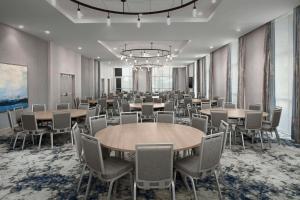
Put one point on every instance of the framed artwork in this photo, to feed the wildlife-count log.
(13, 87)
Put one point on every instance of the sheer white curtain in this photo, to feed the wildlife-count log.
(234, 69)
(284, 70)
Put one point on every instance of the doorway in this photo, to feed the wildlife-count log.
(67, 89)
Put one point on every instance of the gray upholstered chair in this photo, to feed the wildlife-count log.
(83, 106)
(129, 118)
(14, 126)
(271, 126)
(148, 99)
(147, 112)
(254, 107)
(103, 104)
(78, 144)
(200, 122)
(98, 109)
(97, 123)
(229, 105)
(86, 124)
(216, 117)
(18, 111)
(29, 125)
(154, 167)
(62, 106)
(61, 123)
(169, 106)
(38, 107)
(205, 105)
(208, 161)
(107, 170)
(220, 102)
(138, 100)
(125, 107)
(157, 100)
(224, 127)
(253, 124)
(165, 117)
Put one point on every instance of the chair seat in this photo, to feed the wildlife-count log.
(115, 167)
(266, 126)
(18, 129)
(188, 165)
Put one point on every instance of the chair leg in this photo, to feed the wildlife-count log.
(261, 141)
(134, 191)
(51, 138)
(32, 139)
(194, 188)
(40, 142)
(15, 140)
(23, 141)
(218, 185)
(72, 140)
(243, 140)
(175, 174)
(111, 184)
(277, 136)
(81, 176)
(131, 182)
(268, 139)
(230, 140)
(173, 190)
(88, 185)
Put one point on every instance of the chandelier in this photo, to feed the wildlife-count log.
(147, 56)
(139, 14)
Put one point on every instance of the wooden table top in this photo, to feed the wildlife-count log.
(153, 97)
(232, 113)
(47, 115)
(125, 137)
(139, 105)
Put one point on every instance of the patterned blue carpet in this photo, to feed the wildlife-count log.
(53, 174)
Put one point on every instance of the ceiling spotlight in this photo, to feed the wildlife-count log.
(79, 13)
(147, 61)
(157, 61)
(135, 61)
(122, 57)
(213, 1)
(175, 49)
(47, 32)
(79, 48)
(200, 13)
(115, 48)
(108, 21)
(21, 26)
(211, 47)
(138, 24)
(126, 60)
(238, 30)
(168, 19)
(98, 57)
(130, 55)
(194, 10)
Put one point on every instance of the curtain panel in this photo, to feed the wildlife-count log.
(221, 73)
(135, 82)
(149, 80)
(201, 77)
(296, 80)
(187, 89)
(175, 79)
(211, 77)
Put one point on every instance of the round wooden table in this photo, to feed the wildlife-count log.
(139, 105)
(232, 113)
(48, 115)
(126, 137)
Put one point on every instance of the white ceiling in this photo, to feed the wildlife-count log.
(38, 16)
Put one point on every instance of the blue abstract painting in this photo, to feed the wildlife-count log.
(13, 87)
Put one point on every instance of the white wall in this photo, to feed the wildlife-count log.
(65, 61)
(107, 72)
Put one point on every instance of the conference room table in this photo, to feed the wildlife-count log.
(199, 101)
(125, 137)
(232, 113)
(48, 115)
(139, 105)
(153, 97)
(94, 101)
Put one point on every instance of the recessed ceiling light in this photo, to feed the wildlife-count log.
(175, 49)
(115, 48)
(21, 26)
(200, 13)
(238, 30)
(79, 48)
(211, 47)
(47, 32)
(98, 57)
(213, 1)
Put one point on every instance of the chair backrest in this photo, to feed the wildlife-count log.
(129, 118)
(147, 110)
(76, 102)
(102, 103)
(169, 106)
(254, 107)
(38, 107)
(154, 165)
(12, 119)
(83, 106)
(205, 105)
(229, 105)
(217, 116)
(253, 120)
(276, 114)
(84, 101)
(97, 123)
(157, 100)
(63, 106)
(98, 109)
(78, 143)
(138, 100)
(220, 102)
(89, 98)
(18, 113)
(210, 151)
(165, 117)
(148, 98)
(29, 122)
(224, 127)
(90, 113)
(61, 120)
(92, 153)
(125, 107)
(187, 100)
(200, 122)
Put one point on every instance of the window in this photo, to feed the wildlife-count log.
(284, 71)
(162, 79)
(123, 79)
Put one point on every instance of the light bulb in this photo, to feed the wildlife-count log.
(138, 22)
(130, 55)
(194, 11)
(108, 21)
(168, 20)
(147, 61)
(79, 13)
